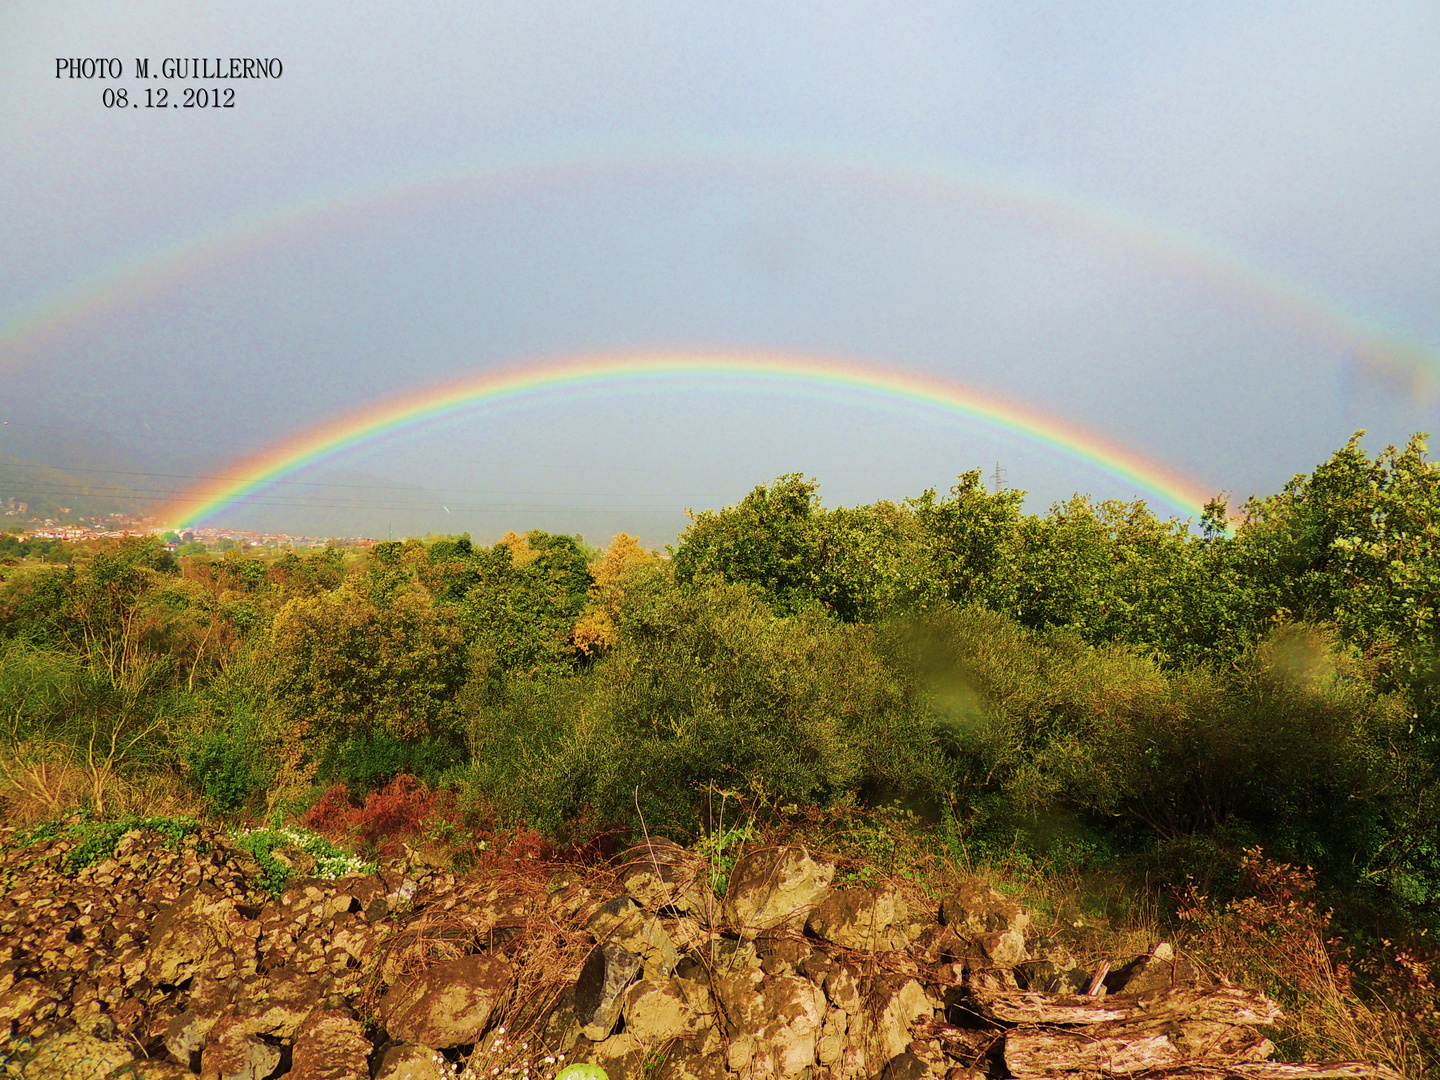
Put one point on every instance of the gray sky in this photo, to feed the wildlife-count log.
(899, 184)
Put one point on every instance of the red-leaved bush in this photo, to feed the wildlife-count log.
(404, 809)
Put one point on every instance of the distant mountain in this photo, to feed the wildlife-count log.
(49, 492)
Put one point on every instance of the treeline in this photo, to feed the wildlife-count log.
(1094, 683)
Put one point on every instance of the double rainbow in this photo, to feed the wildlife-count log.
(592, 372)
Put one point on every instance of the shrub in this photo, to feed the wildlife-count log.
(366, 762)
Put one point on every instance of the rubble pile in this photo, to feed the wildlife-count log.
(165, 961)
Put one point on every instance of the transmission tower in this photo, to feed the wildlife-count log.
(999, 478)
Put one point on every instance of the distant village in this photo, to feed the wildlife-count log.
(121, 525)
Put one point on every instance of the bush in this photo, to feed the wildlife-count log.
(368, 762)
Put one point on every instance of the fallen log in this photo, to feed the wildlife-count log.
(1221, 1004)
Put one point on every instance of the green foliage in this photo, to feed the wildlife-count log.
(526, 593)
(345, 667)
(369, 762)
(98, 839)
(230, 767)
(264, 844)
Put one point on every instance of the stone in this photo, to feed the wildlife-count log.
(975, 909)
(188, 932)
(330, 1045)
(858, 918)
(70, 1054)
(781, 1015)
(775, 887)
(232, 1053)
(447, 1005)
(278, 1005)
(831, 1041)
(782, 952)
(623, 922)
(185, 1036)
(660, 1010)
(140, 1069)
(906, 1066)
(409, 1062)
(842, 986)
(1162, 969)
(897, 1007)
(685, 1062)
(600, 987)
(27, 999)
(621, 1056)
(1006, 948)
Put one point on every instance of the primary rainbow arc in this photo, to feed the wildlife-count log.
(596, 371)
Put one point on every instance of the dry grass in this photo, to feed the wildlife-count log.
(39, 781)
(1275, 937)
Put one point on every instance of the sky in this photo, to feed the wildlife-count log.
(1206, 233)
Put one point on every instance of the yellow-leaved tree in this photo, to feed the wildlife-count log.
(598, 627)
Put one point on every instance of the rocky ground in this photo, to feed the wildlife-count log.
(165, 960)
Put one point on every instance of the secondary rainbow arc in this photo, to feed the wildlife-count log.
(1379, 352)
(574, 373)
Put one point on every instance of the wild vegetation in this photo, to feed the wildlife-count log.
(1227, 718)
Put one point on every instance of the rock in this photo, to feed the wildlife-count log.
(278, 1004)
(854, 917)
(330, 1045)
(140, 1069)
(842, 986)
(976, 909)
(409, 1062)
(775, 887)
(657, 1011)
(599, 990)
(201, 922)
(70, 1054)
(1162, 969)
(781, 1015)
(232, 1053)
(663, 876)
(27, 999)
(685, 1062)
(898, 1007)
(448, 1005)
(1006, 948)
(621, 1056)
(623, 922)
(831, 1041)
(906, 1066)
(185, 1036)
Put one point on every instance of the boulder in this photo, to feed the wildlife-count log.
(140, 1069)
(447, 1005)
(278, 1004)
(330, 1045)
(599, 990)
(233, 1053)
(625, 923)
(409, 1062)
(27, 999)
(70, 1054)
(976, 909)
(858, 918)
(897, 1006)
(1161, 969)
(202, 922)
(660, 1010)
(781, 1015)
(663, 876)
(185, 1036)
(774, 887)
(686, 1062)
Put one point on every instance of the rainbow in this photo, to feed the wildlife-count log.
(591, 372)
(27, 331)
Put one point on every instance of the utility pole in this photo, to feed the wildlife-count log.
(999, 478)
